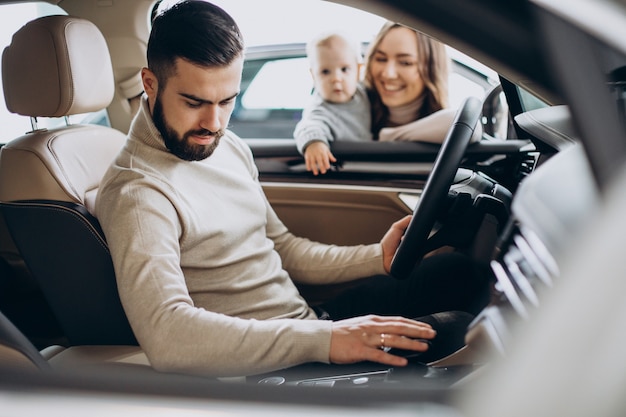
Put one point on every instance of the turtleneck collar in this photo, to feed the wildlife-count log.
(143, 127)
(406, 113)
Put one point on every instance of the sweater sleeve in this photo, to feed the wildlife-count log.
(313, 262)
(143, 230)
(432, 129)
(326, 122)
(312, 127)
(317, 263)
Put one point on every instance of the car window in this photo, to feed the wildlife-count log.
(275, 89)
(294, 79)
(529, 101)
(13, 125)
(276, 82)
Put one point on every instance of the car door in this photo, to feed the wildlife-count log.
(373, 184)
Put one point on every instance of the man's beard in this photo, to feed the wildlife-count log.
(183, 147)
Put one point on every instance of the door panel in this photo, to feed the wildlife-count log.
(339, 214)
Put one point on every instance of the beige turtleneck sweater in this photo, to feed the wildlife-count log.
(204, 266)
(433, 128)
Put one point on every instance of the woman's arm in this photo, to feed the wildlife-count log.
(432, 128)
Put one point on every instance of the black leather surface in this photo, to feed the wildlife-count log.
(64, 247)
(12, 338)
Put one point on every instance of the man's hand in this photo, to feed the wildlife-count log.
(391, 240)
(318, 157)
(363, 339)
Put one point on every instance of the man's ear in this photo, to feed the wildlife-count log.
(150, 83)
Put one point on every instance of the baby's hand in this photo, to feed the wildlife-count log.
(318, 157)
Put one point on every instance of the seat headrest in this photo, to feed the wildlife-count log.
(57, 66)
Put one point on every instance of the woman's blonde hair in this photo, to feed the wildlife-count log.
(433, 67)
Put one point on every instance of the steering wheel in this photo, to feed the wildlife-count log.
(413, 245)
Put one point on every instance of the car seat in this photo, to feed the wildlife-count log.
(17, 350)
(58, 66)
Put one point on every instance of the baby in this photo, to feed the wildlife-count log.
(339, 108)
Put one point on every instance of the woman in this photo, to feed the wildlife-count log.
(407, 81)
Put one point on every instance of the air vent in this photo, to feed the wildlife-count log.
(523, 271)
(528, 164)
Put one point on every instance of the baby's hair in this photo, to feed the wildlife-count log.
(325, 39)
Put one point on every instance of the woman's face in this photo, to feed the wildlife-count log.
(394, 68)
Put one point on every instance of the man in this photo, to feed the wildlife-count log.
(203, 264)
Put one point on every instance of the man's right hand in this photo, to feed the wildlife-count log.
(318, 157)
(363, 339)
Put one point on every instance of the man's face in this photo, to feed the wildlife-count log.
(193, 109)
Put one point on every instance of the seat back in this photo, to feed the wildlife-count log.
(16, 350)
(58, 66)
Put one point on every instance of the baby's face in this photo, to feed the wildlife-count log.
(335, 72)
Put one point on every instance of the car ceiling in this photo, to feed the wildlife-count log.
(503, 35)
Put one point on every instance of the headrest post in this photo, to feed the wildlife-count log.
(67, 120)
(33, 123)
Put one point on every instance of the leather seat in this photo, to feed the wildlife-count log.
(18, 353)
(17, 350)
(58, 66)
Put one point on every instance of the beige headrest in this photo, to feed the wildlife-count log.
(57, 66)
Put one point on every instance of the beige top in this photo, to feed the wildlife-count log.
(205, 267)
(434, 128)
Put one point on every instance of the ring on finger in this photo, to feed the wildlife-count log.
(382, 340)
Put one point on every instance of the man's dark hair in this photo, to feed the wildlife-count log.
(196, 31)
